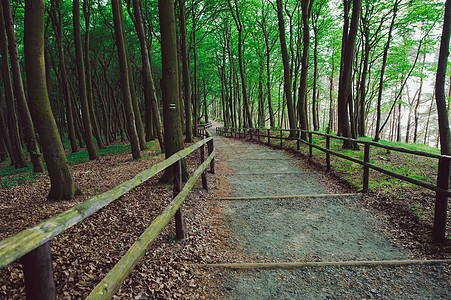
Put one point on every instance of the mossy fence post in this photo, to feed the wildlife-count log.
(204, 173)
(366, 169)
(328, 153)
(211, 148)
(38, 273)
(177, 169)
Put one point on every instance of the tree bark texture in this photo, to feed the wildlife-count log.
(82, 82)
(286, 68)
(24, 113)
(125, 82)
(169, 83)
(441, 201)
(62, 182)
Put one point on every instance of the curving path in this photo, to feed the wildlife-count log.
(279, 212)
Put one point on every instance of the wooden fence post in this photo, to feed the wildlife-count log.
(211, 148)
(298, 143)
(366, 169)
(310, 140)
(38, 273)
(177, 170)
(441, 201)
(269, 136)
(204, 173)
(281, 136)
(328, 154)
(250, 130)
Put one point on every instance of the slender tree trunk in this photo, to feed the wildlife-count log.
(246, 112)
(13, 127)
(302, 94)
(25, 117)
(381, 81)
(315, 77)
(344, 91)
(141, 134)
(125, 81)
(82, 82)
(286, 69)
(426, 134)
(149, 86)
(55, 14)
(362, 114)
(417, 105)
(4, 133)
(62, 182)
(186, 72)
(331, 97)
(92, 114)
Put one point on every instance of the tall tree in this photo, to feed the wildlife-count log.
(286, 69)
(441, 201)
(384, 63)
(302, 95)
(82, 82)
(89, 95)
(13, 126)
(185, 72)
(149, 85)
(57, 22)
(24, 113)
(119, 32)
(236, 14)
(344, 90)
(62, 182)
(169, 82)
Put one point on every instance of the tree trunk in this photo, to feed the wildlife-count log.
(25, 117)
(186, 72)
(441, 201)
(315, 114)
(82, 82)
(92, 114)
(62, 182)
(381, 81)
(141, 134)
(4, 133)
(169, 83)
(125, 81)
(302, 94)
(286, 69)
(417, 105)
(56, 17)
(344, 90)
(246, 112)
(13, 126)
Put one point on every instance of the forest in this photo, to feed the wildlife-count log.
(83, 82)
(278, 64)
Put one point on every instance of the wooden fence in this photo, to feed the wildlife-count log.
(441, 189)
(32, 244)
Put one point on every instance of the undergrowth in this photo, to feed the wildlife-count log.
(10, 176)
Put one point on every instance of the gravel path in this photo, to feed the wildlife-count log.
(326, 228)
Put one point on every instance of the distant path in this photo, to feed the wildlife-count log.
(293, 229)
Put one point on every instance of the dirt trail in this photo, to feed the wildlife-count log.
(293, 229)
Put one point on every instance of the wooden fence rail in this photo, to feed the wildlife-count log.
(442, 191)
(32, 243)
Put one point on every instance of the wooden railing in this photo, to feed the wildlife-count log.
(32, 244)
(202, 130)
(442, 191)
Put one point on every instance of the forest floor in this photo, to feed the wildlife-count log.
(83, 254)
